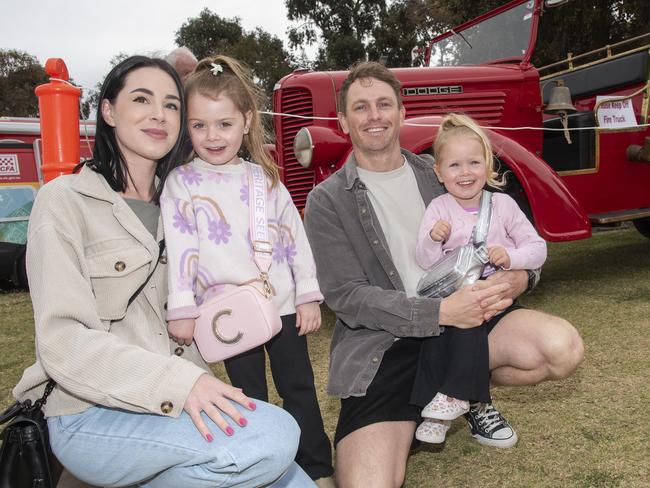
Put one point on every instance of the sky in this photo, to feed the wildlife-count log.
(87, 34)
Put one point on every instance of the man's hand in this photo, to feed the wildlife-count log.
(471, 305)
(440, 231)
(499, 256)
(518, 280)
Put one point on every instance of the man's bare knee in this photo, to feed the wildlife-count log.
(374, 455)
(564, 350)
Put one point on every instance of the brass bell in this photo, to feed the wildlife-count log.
(560, 99)
(559, 103)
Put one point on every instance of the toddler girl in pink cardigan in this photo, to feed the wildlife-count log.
(455, 366)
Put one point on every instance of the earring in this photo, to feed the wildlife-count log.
(245, 130)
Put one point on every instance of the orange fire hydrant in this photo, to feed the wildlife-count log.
(58, 104)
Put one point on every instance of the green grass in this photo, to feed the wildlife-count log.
(587, 431)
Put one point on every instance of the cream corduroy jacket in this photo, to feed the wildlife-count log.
(87, 254)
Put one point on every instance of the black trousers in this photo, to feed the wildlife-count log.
(294, 380)
(455, 363)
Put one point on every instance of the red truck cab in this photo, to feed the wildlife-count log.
(483, 68)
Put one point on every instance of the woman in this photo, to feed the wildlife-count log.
(129, 407)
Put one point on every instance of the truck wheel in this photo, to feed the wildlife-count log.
(643, 226)
(21, 273)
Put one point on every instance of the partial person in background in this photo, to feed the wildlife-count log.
(183, 61)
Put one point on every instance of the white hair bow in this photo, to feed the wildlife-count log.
(216, 68)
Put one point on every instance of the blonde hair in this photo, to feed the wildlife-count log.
(235, 81)
(454, 125)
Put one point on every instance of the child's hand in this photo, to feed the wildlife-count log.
(181, 331)
(307, 318)
(499, 256)
(440, 231)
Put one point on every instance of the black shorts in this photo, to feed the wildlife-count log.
(491, 324)
(387, 398)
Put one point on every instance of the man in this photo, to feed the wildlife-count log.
(183, 62)
(362, 224)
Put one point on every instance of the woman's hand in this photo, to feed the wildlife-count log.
(308, 318)
(213, 396)
(181, 331)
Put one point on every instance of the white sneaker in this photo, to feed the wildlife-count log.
(443, 407)
(432, 431)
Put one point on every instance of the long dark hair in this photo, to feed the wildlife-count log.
(107, 159)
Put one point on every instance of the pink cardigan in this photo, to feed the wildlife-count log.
(509, 228)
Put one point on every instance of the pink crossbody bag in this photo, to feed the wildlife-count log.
(243, 318)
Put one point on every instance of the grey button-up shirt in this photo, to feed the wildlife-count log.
(359, 279)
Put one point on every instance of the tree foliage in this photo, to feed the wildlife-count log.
(342, 28)
(577, 27)
(580, 27)
(208, 34)
(20, 74)
(352, 30)
(407, 24)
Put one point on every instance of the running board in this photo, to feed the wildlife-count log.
(621, 216)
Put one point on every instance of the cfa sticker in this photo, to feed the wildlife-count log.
(615, 112)
(9, 165)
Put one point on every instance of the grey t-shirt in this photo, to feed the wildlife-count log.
(147, 212)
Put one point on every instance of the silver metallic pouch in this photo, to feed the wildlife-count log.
(462, 266)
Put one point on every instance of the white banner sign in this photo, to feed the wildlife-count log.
(615, 113)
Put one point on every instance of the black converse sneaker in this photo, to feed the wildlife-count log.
(489, 427)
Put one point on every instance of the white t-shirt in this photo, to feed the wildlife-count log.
(396, 199)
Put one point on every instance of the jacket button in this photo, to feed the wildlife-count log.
(162, 260)
(363, 210)
(391, 273)
(120, 266)
(375, 359)
(179, 351)
(375, 242)
(166, 407)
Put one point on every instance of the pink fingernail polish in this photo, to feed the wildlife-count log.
(243, 422)
(252, 405)
(209, 437)
(229, 431)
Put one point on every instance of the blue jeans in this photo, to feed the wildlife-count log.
(112, 448)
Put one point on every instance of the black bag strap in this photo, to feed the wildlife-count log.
(161, 247)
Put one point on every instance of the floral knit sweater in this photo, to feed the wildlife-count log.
(206, 217)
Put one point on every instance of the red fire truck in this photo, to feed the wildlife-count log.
(482, 68)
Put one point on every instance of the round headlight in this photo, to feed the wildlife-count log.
(303, 147)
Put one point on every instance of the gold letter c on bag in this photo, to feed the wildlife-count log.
(215, 329)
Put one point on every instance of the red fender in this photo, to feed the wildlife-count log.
(557, 213)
